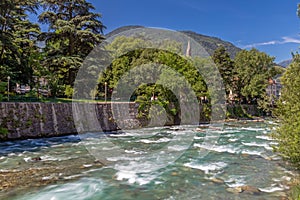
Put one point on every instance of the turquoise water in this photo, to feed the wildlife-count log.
(154, 163)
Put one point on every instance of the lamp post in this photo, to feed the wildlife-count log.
(105, 91)
(8, 78)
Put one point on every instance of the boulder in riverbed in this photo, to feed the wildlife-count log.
(244, 189)
(235, 190)
(217, 180)
(250, 189)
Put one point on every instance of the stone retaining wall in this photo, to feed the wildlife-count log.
(35, 120)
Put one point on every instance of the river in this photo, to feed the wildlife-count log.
(232, 162)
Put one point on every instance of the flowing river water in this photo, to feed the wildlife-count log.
(150, 163)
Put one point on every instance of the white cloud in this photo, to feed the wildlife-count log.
(290, 40)
(284, 40)
(261, 44)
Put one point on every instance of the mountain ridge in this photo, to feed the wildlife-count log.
(209, 43)
(285, 63)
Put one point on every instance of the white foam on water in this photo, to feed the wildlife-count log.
(182, 132)
(91, 143)
(207, 167)
(133, 178)
(60, 145)
(72, 177)
(255, 144)
(49, 158)
(252, 129)
(256, 153)
(122, 158)
(264, 137)
(272, 122)
(19, 155)
(199, 138)
(127, 175)
(82, 189)
(87, 165)
(235, 181)
(233, 139)
(27, 159)
(218, 148)
(47, 178)
(137, 133)
(211, 136)
(230, 130)
(283, 178)
(177, 148)
(158, 182)
(271, 189)
(161, 140)
(228, 135)
(109, 148)
(268, 147)
(249, 152)
(126, 134)
(137, 172)
(275, 157)
(134, 152)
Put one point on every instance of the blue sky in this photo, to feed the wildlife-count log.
(271, 26)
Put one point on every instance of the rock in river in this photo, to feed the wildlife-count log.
(244, 189)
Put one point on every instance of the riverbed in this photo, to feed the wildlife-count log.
(228, 161)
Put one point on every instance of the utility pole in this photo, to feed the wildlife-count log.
(105, 91)
(8, 79)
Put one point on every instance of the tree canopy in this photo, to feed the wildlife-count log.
(253, 70)
(148, 65)
(288, 112)
(74, 30)
(17, 39)
(226, 68)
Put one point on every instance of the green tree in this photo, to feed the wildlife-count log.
(226, 68)
(253, 70)
(74, 30)
(288, 112)
(3, 86)
(148, 63)
(26, 40)
(17, 39)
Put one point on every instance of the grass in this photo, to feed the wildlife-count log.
(22, 98)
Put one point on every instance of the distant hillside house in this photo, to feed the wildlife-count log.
(274, 87)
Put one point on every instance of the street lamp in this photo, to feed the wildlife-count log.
(105, 91)
(8, 78)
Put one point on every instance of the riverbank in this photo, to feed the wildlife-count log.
(26, 164)
(36, 120)
(41, 174)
